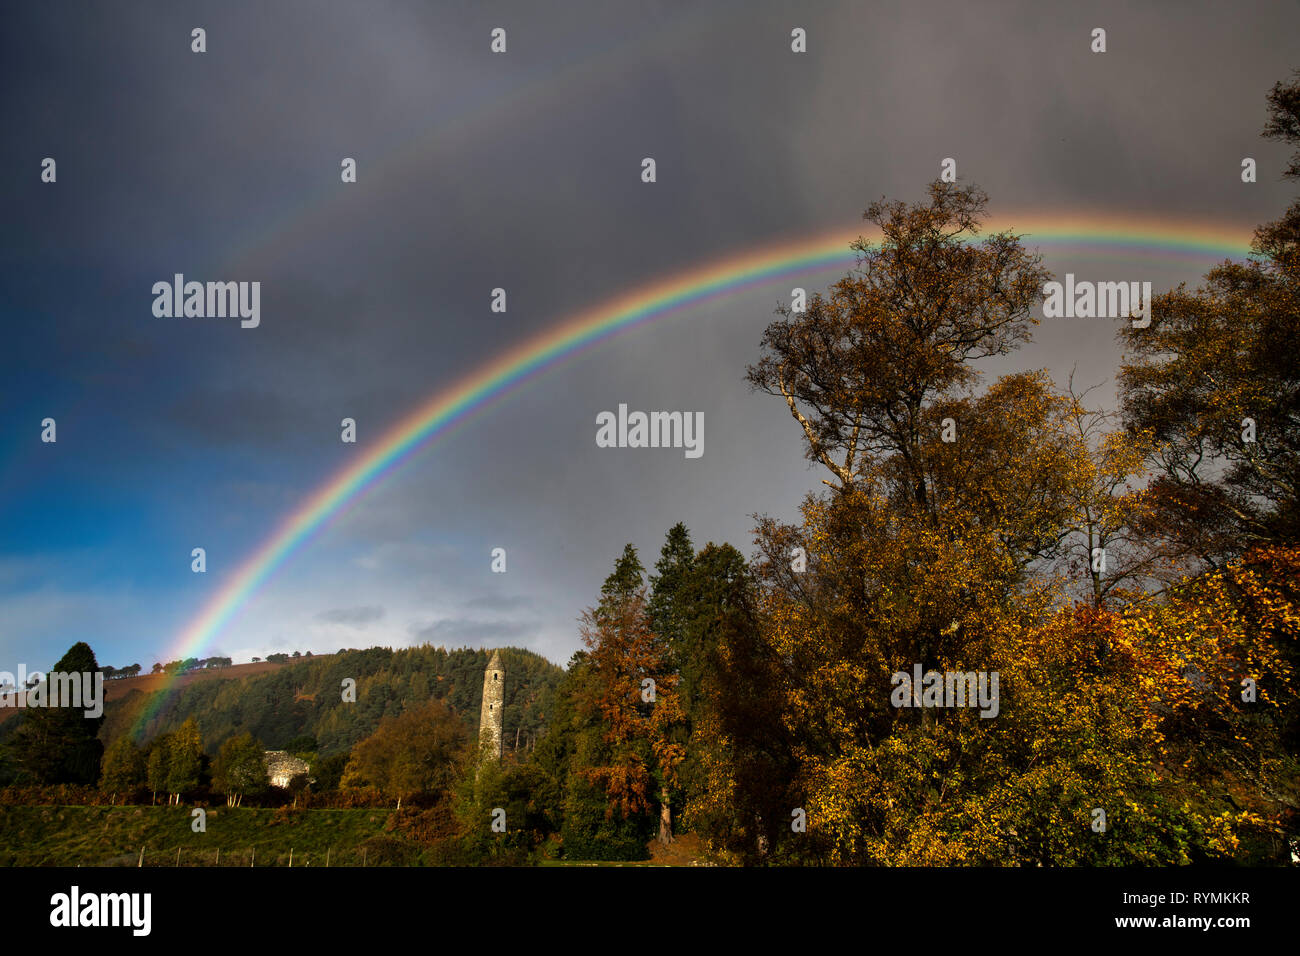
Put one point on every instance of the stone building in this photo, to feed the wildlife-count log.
(492, 718)
(282, 767)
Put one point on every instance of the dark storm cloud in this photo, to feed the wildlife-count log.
(454, 631)
(358, 617)
(522, 171)
(502, 602)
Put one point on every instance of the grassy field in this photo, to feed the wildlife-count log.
(114, 836)
(687, 850)
(601, 863)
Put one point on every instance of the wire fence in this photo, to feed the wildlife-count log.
(350, 856)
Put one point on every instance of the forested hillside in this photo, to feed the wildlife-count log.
(306, 698)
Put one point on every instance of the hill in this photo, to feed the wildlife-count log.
(278, 702)
(121, 687)
(305, 697)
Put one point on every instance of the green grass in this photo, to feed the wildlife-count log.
(601, 863)
(113, 836)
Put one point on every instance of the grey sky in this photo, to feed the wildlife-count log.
(521, 171)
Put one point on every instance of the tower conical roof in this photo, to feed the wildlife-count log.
(495, 663)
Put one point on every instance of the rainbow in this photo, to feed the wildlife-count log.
(1083, 236)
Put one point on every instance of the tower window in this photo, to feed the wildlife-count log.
(495, 676)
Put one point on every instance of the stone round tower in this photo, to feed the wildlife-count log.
(492, 719)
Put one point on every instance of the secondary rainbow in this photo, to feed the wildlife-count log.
(1085, 236)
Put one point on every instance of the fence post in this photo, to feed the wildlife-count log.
(327, 855)
(291, 858)
(141, 863)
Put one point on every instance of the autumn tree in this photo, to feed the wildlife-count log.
(240, 769)
(1280, 240)
(970, 490)
(157, 763)
(1105, 546)
(1213, 387)
(123, 767)
(184, 759)
(937, 546)
(859, 365)
(575, 742)
(1079, 710)
(1214, 383)
(1227, 639)
(413, 753)
(522, 790)
(633, 692)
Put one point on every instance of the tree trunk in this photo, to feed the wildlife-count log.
(665, 819)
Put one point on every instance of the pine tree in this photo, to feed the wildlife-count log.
(671, 570)
(628, 576)
(61, 744)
